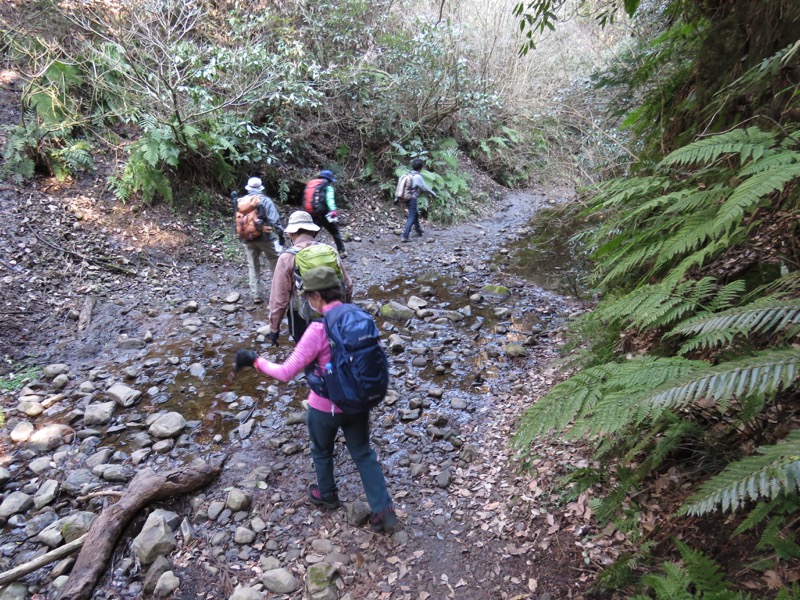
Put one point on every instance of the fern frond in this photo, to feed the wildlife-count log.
(774, 161)
(776, 470)
(759, 317)
(695, 231)
(748, 143)
(696, 199)
(766, 373)
(749, 195)
(703, 572)
(621, 191)
(612, 383)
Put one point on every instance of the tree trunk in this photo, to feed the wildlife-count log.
(144, 488)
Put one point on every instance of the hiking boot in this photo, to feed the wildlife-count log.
(384, 521)
(257, 300)
(343, 254)
(419, 232)
(330, 502)
(404, 239)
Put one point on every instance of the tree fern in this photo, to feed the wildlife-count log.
(762, 316)
(750, 143)
(775, 470)
(752, 192)
(577, 397)
(766, 372)
(666, 303)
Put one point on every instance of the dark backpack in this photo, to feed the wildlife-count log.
(405, 187)
(314, 197)
(357, 377)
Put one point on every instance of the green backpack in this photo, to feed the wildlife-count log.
(315, 255)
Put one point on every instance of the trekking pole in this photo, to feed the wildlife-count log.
(235, 200)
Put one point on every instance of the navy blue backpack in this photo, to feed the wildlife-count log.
(357, 377)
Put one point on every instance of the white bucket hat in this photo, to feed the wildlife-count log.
(254, 185)
(298, 220)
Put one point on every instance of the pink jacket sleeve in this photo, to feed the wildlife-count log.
(308, 348)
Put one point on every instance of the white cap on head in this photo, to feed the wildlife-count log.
(254, 185)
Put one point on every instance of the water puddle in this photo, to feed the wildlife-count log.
(548, 257)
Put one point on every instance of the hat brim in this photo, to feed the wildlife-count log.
(259, 189)
(295, 227)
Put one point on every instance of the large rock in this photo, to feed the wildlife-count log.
(496, 291)
(51, 437)
(15, 502)
(320, 581)
(280, 581)
(123, 395)
(22, 432)
(99, 414)
(167, 584)
(53, 371)
(238, 500)
(46, 493)
(245, 593)
(395, 311)
(80, 482)
(168, 425)
(66, 529)
(160, 566)
(155, 539)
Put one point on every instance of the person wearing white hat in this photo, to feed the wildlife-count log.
(283, 295)
(268, 244)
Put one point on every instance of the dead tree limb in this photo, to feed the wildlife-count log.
(86, 313)
(37, 563)
(144, 488)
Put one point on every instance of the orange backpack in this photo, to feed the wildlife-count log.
(248, 222)
(314, 201)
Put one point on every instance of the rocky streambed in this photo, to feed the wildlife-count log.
(470, 346)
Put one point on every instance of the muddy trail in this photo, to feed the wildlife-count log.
(475, 524)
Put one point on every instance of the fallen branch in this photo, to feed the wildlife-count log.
(99, 494)
(100, 263)
(86, 313)
(145, 487)
(37, 563)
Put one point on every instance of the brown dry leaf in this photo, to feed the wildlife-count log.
(773, 579)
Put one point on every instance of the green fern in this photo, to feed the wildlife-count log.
(664, 304)
(576, 398)
(698, 577)
(718, 328)
(750, 144)
(766, 372)
(775, 471)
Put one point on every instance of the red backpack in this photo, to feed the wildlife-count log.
(314, 197)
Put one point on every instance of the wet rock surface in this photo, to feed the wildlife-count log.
(150, 391)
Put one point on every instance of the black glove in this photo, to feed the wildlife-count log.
(282, 238)
(273, 337)
(245, 358)
(395, 201)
